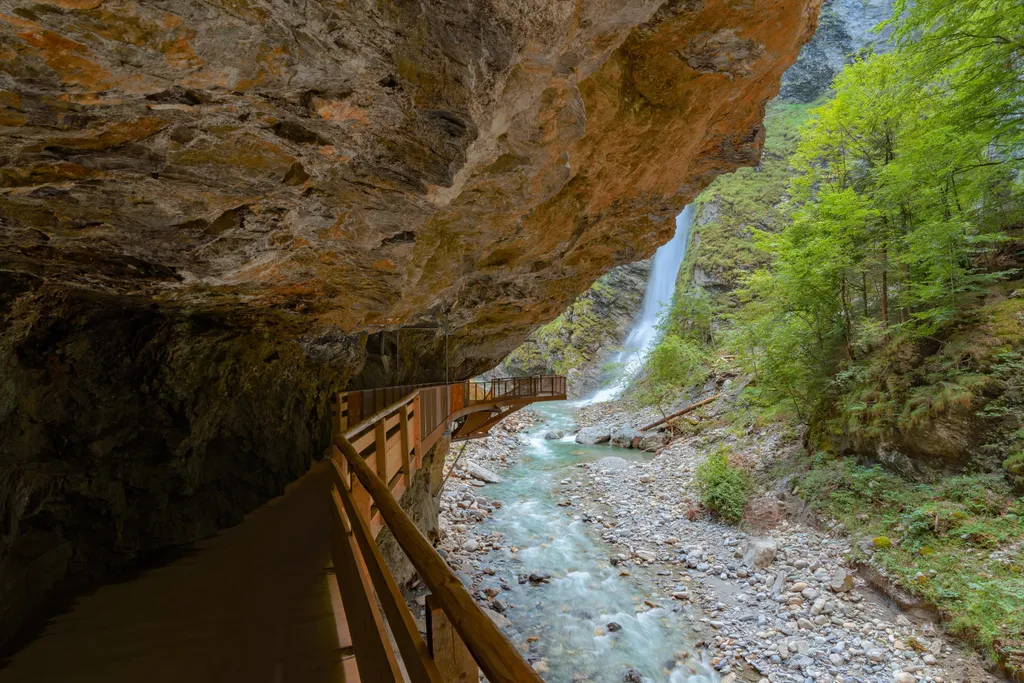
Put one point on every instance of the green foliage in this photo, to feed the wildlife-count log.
(724, 488)
(750, 199)
(673, 364)
(896, 207)
(955, 542)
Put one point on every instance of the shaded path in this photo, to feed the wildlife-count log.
(251, 604)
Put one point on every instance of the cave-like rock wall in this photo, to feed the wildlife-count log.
(213, 213)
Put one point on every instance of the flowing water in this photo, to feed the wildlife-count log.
(661, 285)
(571, 613)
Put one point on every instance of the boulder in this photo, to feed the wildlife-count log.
(590, 436)
(482, 473)
(842, 581)
(651, 441)
(623, 437)
(760, 552)
(554, 435)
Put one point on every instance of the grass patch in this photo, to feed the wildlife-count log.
(957, 543)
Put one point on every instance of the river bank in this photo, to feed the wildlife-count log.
(600, 564)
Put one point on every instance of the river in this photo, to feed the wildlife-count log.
(570, 615)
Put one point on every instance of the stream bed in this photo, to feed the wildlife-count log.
(589, 620)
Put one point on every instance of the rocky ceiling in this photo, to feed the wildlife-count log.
(318, 167)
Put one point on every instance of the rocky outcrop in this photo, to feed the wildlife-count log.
(124, 431)
(845, 28)
(586, 335)
(213, 214)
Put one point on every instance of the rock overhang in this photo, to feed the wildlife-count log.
(332, 169)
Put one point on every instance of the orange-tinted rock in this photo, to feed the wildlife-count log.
(520, 149)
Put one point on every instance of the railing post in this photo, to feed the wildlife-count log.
(453, 659)
(380, 449)
(403, 423)
(417, 432)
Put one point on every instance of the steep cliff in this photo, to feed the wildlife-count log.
(215, 212)
(585, 336)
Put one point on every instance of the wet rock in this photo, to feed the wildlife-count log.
(631, 675)
(613, 626)
(554, 435)
(500, 620)
(539, 577)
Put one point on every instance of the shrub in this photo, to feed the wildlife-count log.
(723, 488)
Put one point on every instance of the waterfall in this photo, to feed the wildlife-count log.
(661, 285)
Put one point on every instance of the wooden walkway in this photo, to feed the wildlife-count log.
(253, 603)
(265, 601)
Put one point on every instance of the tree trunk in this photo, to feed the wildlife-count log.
(846, 318)
(885, 287)
(864, 290)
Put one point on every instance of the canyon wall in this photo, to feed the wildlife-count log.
(214, 213)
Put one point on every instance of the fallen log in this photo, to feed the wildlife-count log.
(678, 413)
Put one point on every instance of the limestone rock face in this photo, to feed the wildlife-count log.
(845, 27)
(213, 214)
(586, 335)
(344, 167)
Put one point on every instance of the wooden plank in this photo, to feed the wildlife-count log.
(374, 657)
(361, 442)
(394, 440)
(415, 654)
(497, 656)
(417, 435)
(381, 450)
(354, 407)
(392, 421)
(393, 459)
(406, 445)
(452, 657)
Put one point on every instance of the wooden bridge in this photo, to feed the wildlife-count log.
(373, 462)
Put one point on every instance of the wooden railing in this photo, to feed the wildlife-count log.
(438, 402)
(373, 463)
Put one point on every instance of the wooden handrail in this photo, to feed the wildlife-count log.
(380, 414)
(492, 650)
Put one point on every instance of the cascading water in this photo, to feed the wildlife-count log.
(661, 284)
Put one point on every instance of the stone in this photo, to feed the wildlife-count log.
(631, 675)
(759, 553)
(652, 441)
(482, 473)
(554, 435)
(539, 577)
(590, 436)
(647, 555)
(613, 626)
(842, 582)
(623, 437)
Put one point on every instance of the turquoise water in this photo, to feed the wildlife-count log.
(569, 615)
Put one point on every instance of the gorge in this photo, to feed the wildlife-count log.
(294, 293)
(215, 215)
